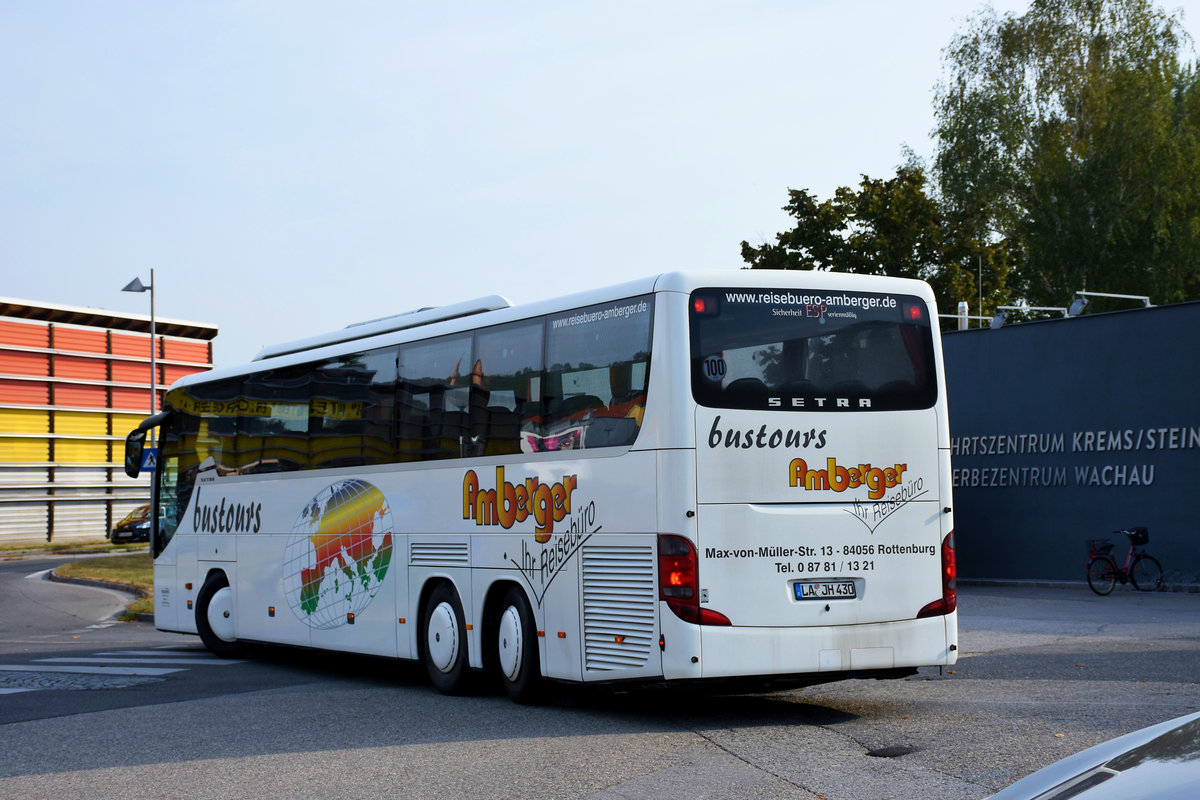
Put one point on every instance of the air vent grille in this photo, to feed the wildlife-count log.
(619, 600)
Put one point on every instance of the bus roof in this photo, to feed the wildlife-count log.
(377, 327)
(496, 310)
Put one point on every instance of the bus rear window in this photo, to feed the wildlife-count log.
(790, 350)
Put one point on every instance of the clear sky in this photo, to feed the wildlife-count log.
(291, 167)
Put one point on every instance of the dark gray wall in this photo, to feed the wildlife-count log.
(1068, 429)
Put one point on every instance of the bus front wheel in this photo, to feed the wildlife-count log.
(444, 640)
(214, 617)
(517, 648)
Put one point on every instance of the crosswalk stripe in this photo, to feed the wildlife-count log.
(86, 670)
(116, 663)
(191, 662)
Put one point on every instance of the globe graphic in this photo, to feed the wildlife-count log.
(338, 553)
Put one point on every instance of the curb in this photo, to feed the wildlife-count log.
(53, 575)
(17, 555)
(1016, 583)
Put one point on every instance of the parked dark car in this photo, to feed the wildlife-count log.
(1161, 762)
(135, 527)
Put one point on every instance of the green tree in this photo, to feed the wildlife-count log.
(1070, 134)
(888, 227)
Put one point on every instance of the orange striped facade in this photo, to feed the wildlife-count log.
(73, 383)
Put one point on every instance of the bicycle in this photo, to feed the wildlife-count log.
(1143, 571)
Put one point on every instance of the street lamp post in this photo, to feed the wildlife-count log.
(136, 285)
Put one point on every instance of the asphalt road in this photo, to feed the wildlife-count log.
(1044, 673)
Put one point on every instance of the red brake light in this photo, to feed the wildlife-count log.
(678, 582)
(705, 305)
(949, 599)
(914, 312)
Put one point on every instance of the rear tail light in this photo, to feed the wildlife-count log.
(705, 305)
(949, 599)
(679, 582)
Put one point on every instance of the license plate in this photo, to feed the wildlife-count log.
(825, 590)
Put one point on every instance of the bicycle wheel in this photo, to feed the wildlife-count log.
(1146, 574)
(1102, 575)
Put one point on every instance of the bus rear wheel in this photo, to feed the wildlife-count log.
(517, 649)
(214, 617)
(444, 640)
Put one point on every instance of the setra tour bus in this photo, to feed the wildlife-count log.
(697, 476)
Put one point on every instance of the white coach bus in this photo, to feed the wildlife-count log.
(700, 475)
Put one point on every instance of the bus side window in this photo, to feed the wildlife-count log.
(176, 473)
(627, 380)
(213, 439)
(170, 500)
(350, 415)
(505, 387)
(411, 412)
(273, 427)
(434, 398)
(596, 376)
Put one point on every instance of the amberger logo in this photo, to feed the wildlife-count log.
(838, 478)
(510, 503)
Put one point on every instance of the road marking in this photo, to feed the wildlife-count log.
(37, 575)
(191, 662)
(107, 667)
(85, 670)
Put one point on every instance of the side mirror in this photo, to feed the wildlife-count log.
(135, 442)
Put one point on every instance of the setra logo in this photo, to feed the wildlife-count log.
(511, 503)
(837, 478)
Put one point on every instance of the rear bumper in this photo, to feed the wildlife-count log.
(727, 652)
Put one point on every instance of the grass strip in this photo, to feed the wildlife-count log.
(134, 569)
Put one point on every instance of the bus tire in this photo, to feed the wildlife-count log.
(214, 617)
(1102, 575)
(517, 649)
(444, 640)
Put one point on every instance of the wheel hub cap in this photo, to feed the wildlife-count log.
(220, 614)
(510, 643)
(443, 637)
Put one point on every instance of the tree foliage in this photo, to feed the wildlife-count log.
(887, 227)
(1068, 158)
(1071, 132)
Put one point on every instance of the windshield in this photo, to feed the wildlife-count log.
(790, 350)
